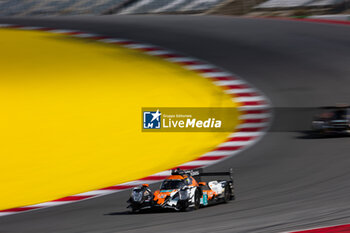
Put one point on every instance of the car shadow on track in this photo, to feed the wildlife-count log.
(162, 211)
(309, 134)
(119, 213)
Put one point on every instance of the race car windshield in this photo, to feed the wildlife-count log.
(172, 184)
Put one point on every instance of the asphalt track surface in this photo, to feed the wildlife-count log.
(285, 181)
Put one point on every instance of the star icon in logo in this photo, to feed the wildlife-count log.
(156, 115)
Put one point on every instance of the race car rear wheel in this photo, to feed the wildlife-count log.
(227, 194)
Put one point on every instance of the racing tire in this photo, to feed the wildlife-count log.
(197, 200)
(227, 194)
(134, 210)
(183, 206)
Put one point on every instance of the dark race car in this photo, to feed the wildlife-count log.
(332, 121)
(183, 190)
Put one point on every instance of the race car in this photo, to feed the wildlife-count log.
(332, 121)
(183, 190)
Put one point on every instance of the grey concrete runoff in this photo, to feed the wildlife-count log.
(286, 181)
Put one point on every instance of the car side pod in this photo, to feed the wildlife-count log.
(229, 183)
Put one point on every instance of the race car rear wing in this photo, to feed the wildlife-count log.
(199, 173)
(229, 173)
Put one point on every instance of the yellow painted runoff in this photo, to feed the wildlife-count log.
(70, 116)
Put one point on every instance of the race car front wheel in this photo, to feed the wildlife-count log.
(134, 210)
(197, 200)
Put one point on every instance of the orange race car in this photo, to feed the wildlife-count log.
(183, 190)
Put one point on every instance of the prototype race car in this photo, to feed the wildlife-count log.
(182, 191)
(333, 121)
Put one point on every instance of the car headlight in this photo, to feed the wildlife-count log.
(184, 194)
(136, 195)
